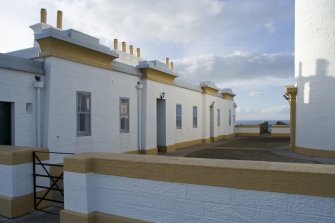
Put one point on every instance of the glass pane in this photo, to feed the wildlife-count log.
(82, 121)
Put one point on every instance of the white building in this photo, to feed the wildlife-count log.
(313, 98)
(71, 94)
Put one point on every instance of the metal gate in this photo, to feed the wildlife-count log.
(48, 184)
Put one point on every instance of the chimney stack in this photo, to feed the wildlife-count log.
(171, 65)
(123, 47)
(131, 49)
(167, 61)
(138, 52)
(43, 16)
(59, 19)
(116, 44)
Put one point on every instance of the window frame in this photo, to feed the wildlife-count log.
(218, 117)
(229, 117)
(195, 116)
(180, 116)
(125, 130)
(89, 113)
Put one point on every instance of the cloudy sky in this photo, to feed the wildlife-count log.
(246, 45)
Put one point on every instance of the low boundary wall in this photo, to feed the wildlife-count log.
(104, 187)
(281, 130)
(16, 190)
(247, 130)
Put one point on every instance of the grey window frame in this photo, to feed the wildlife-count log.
(229, 117)
(195, 116)
(125, 130)
(179, 116)
(87, 132)
(218, 117)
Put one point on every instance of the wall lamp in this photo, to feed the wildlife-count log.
(212, 103)
(286, 96)
(162, 95)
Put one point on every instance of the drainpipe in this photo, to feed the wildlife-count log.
(38, 85)
(139, 86)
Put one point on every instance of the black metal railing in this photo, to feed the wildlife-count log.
(55, 182)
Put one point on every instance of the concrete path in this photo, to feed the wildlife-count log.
(262, 148)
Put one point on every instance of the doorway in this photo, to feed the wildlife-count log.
(5, 123)
(211, 122)
(161, 125)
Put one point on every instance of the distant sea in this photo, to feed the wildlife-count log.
(255, 122)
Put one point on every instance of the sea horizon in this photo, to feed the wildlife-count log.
(258, 121)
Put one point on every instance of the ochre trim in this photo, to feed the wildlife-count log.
(217, 138)
(12, 207)
(247, 134)
(152, 151)
(314, 152)
(158, 76)
(280, 134)
(228, 96)
(67, 216)
(188, 143)
(205, 141)
(308, 179)
(247, 126)
(210, 91)
(292, 92)
(14, 155)
(166, 149)
(281, 126)
(69, 51)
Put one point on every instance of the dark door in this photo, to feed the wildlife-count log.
(5, 123)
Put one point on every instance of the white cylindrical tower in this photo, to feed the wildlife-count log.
(315, 77)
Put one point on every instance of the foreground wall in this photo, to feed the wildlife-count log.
(16, 190)
(115, 187)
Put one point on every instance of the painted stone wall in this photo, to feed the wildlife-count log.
(315, 73)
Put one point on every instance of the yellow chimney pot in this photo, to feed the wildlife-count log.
(138, 52)
(116, 44)
(131, 49)
(124, 47)
(43, 15)
(167, 61)
(59, 19)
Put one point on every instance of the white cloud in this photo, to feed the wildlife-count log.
(270, 27)
(256, 94)
(236, 66)
(276, 109)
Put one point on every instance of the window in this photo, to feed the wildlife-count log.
(83, 113)
(195, 117)
(218, 117)
(29, 108)
(124, 114)
(178, 116)
(229, 117)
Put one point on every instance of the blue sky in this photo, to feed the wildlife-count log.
(246, 45)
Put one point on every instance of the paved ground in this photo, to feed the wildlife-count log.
(249, 148)
(239, 148)
(36, 217)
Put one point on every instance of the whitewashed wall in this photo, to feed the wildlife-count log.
(173, 95)
(17, 180)
(17, 87)
(281, 130)
(158, 201)
(247, 129)
(106, 88)
(315, 73)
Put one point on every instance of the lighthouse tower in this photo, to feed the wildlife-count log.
(314, 117)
